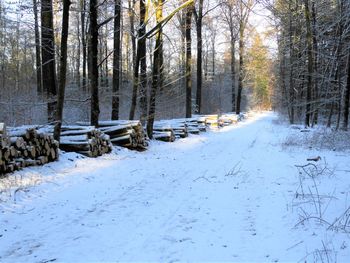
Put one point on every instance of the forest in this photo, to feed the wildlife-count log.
(68, 61)
(174, 130)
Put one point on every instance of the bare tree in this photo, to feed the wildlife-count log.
(63, 69)
(93, 64)
(48, 57)
(116, 60)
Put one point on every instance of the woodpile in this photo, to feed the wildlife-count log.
(196, 125)
(87, 141)
(179, 129)
(165, 130)
(165, 136)
(25, 146)
(229, 119)
(129, 134)
(213, 121)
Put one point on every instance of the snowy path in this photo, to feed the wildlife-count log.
(220, 196)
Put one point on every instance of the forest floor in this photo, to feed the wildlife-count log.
(234, 195)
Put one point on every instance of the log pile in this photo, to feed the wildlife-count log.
(213, 121)
(165, 136)
(25, 146)
(87, 141)
(179, 129)
(196, 125)
(129, 134)
(229, 119)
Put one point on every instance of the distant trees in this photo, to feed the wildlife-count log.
(313, 81)
(259, 68)
(122, 59)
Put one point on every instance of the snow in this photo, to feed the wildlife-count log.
(225, 195)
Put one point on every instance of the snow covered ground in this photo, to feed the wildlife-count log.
(229, 195)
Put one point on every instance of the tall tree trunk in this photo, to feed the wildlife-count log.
(309, 63)
(143, 63)
(37, 49)
(78, 55)
(93, 64)
(135, 64)
(199, 22)
(83, 41)
(188, 37)
(156, 71)
(63, 69)
(48, 57)
(132, 30)
(316, 78)
(291, 102)
(233, 72)
(116, 61)
(347, 98)
(241, 69)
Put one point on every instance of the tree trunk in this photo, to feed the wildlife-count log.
(347, 98)
(83, 41)
(233, 71)
(188, 37)
(156, 71)
(63, 69)
(116, 61)
(316, 78)
(309, 63)
(143, 64)
(199, 22)
(93, 64)
(48, 57)
(291, 102)
(241, 64)
(136, 63)
(37, 49)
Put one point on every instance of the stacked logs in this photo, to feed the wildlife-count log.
(213, 121)
(229, 119)
(87, 141)
(129, 134)
(168, 130)
(25, 146)
(163, 129)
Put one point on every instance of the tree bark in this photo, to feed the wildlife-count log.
(48, 57)
(63, 69)
(93, 64)
(116, 61)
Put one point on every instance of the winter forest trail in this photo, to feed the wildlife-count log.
(221, 196)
